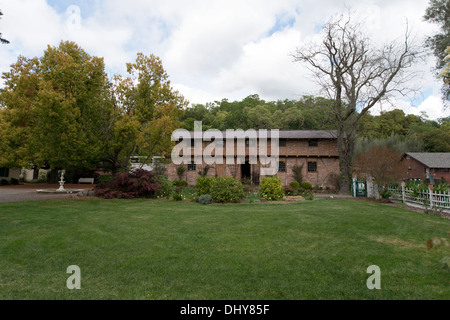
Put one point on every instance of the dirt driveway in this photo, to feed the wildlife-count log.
(27, 192)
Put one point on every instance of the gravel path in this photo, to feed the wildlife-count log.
(27, 192)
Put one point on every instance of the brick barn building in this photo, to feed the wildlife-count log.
(316, 150)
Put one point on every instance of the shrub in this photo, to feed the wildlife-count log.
(177, 197)
(137, 184)
(14, 181)
(418, 189)
(297, 174)
(306, 186)
(295, 185)
(308, 195)
(189, 193)
(166, 188)
(226, 189)
(4, 182)
(180, 171)
(104, 178)
(253, 197)
(205, 199)
(271, 188)
(385, 194)
(204, 172)
(290, 191)
(203, 185)
(442, 187)
(247, 188)
(180, 183)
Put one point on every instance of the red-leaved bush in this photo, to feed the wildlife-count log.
(136, 184)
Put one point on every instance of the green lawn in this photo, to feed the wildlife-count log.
(141, 249)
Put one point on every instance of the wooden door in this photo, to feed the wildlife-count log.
(221, 170)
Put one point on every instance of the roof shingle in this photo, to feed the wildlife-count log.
(432, 160)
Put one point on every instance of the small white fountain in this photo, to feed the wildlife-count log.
(61, 183)
(61, 187)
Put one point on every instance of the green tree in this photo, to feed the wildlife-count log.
(219, 120)
(436, 140)
(17, 114)
(438, 12)
(147, 111)
(402, 144)
(52, 109)
(292, 119)
(62, 112)
(259, 117)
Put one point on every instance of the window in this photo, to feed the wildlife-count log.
(441, 170)
(312, 166)
(192, 166)
(282, 143)
(4, 172)
(281, 166)
(250, 142)
(313, 143)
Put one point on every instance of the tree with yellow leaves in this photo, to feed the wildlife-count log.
(147, 110)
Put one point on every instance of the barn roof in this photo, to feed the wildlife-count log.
(286, 134)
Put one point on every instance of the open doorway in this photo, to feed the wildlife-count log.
(246, 170)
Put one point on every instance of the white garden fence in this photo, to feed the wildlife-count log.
(427, 199)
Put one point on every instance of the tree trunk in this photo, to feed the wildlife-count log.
(345, 176)
(53, 176)
(346, 145)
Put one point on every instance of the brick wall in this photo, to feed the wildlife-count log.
(296, 152)
(416, 170)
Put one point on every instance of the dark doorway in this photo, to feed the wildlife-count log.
(246, 170)
(35, 173)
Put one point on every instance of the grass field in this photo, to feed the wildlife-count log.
(143, 249)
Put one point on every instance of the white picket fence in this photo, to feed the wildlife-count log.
(427, 199)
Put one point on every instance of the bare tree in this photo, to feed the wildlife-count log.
(3, 41)
(383, 164)
(356, 76)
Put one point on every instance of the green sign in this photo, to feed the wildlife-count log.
(360, 189)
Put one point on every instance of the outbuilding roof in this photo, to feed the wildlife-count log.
(432, 160)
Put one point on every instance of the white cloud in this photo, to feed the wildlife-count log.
(213, 37)
(431, 107)
(212, 49)
(266, 67)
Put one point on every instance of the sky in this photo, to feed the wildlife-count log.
(214, 49)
